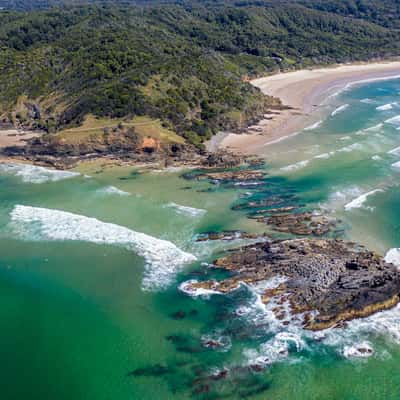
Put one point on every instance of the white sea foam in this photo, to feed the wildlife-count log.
(359, 332)
(340, 197)
(393, 121)
(185, 210)
(247, 183)
(358, 350)
(360, 200)
(35, 174)
(353, 340)
(376, 158)
(350, 148)
(296, 166)
(325, 155)
(396, 165)
(314, 126)
(393, 256)
(163, 259)
(111, 190)
(186, 288)
(386, 107)
(216, 341)
(339, 109)
(345, 138)
(368, 101)
(276, 349)
(374, 128)
(395, 151)
(281, 139)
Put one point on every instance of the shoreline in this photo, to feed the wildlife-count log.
(306, 93)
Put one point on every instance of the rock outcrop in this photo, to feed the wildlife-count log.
(327, 281)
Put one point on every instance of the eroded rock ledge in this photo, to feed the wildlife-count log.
(328, 281)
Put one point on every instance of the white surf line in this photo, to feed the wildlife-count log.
(186, 288)
(296, 166)
(112, 190)
(35, 174)
(360, 200)
(362, 81)
(394, 120)
(313, 126)
(386, 107)
(396, 165)
(185, 210)
(374, 128)
(163, 259)
(395, 151)
(339, 109)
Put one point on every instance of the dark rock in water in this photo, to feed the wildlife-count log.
(176, 339)
(238, 176)
(327, 281)
(182, 314)
(201, 389)
(300, 224)
(226, 159)
(254, 391)
(270, 201)
(185, 344)
(152, 370)
(178, 315)
(225, 235)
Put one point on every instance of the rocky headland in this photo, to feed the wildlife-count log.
(325, 281)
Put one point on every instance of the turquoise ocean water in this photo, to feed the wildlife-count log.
(90, 267)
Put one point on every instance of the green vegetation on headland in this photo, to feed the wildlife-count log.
(186, 65)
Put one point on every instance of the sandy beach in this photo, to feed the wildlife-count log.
(306, 92)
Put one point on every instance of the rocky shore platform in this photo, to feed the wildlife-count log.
(325, 281)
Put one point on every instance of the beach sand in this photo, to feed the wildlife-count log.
(305, 92)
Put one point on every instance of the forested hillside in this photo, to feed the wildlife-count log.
(185, 64)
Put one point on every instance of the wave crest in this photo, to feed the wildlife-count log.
(35, 174)
(163, 259)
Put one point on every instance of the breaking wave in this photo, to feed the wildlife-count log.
(360, 200)
(339, 109)
(368, 101)
(386, 107)
(35, 174)
(296, 166)
(358, 350)
(396, 165)
(393, 256)
(395, 151)
(374, 128)
(186, 288)
(325, 155)
(393, 121)
(162, 258)
(111, 190)
(350, 148)
(313, 126)
(184, 210)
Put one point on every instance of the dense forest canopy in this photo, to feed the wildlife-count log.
(186, 63)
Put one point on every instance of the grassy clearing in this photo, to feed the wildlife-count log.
(93, 127)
